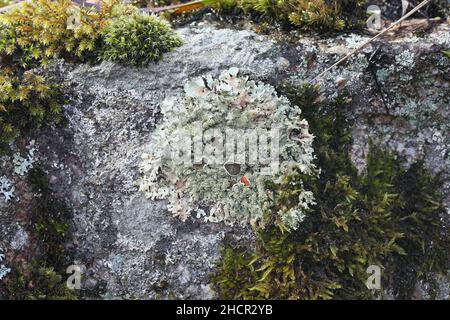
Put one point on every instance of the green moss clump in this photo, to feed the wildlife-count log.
(26, 99)
(316, 15)
(236, 275)
(155, 3)
(40, 30)
(225, 6)
(43, 278)
(138, 39)
(389, 216)
(38, 283)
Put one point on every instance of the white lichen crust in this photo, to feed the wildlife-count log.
(6, 188)
(231, 191)
(4, 270)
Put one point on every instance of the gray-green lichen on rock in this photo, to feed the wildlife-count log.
(232, 123)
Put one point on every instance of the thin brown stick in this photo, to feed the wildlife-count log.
(417, 8)
(178, 7)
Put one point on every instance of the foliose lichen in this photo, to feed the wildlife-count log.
(23, 164)
(4, 270)
(6, 188)
(228, 181)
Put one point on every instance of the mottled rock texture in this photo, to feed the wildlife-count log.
(132, 247)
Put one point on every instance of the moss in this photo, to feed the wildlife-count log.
(137, 39)
(43, 277)
(74, 33)
(26, 100)
(38, 283)
(326, 16)
(83, 34)
(30, 39)
(49, 218)
(38, 180)
(224, 6)
(317, 15)
(236, 276)
(389, 216)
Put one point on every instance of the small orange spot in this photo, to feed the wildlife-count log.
(245, 181)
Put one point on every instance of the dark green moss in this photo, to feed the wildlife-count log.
(50, 218)
(38, 283)
(323, 16)
(38, 180)
(44, 276)
(148, 38)
(237, 276)
(389, 216)
(27, 100)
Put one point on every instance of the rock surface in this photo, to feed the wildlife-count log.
(130, 246)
